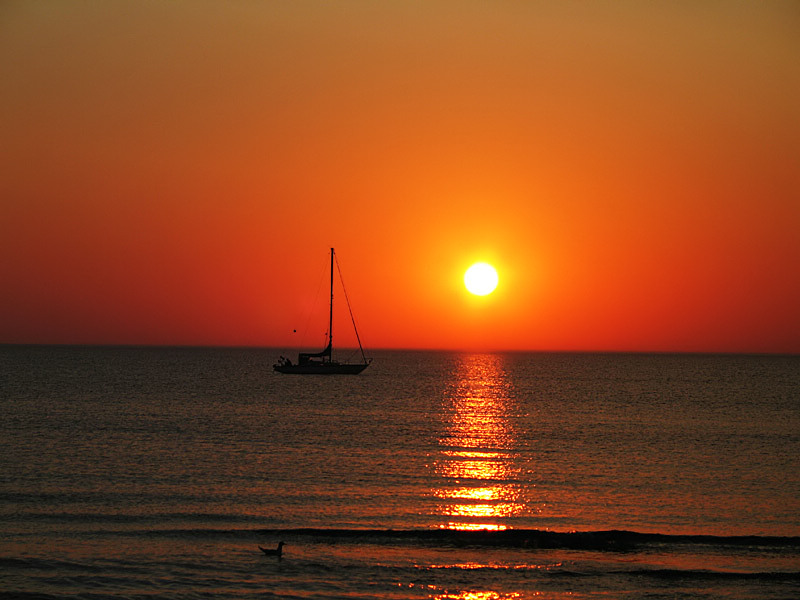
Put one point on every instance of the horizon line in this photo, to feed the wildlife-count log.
(122, 345)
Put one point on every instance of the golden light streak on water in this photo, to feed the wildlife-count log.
(476, 462)
(479, 596)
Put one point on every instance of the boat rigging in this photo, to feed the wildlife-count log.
(322, 363)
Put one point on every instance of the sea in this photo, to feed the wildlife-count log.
(151, 472)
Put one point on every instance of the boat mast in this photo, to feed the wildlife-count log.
(330, 317)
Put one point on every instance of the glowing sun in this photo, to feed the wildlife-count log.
(481, 279)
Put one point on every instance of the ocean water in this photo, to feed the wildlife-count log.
(157, 472)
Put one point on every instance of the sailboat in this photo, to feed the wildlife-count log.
(322, 363)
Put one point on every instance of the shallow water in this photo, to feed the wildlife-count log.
(157, 471)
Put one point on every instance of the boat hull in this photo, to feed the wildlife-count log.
(327, 368)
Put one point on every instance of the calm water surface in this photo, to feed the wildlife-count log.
(131, 472)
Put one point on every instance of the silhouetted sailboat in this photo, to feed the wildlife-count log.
(322, 363)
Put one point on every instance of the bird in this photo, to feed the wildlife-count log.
(270, 552)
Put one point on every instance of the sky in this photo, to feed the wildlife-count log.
(176, 173)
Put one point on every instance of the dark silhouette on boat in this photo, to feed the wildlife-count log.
(322, 363)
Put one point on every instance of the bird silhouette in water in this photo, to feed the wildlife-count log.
(273, 552)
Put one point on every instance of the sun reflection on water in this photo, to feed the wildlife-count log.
(471, 595)
(477, 463)
(478, 596)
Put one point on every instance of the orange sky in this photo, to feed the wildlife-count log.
(175, 172)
